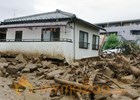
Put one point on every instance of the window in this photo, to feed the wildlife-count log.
(135, 32)
(2, 37)
(95, 42)
(50, 34)
(83, 40)
(18, 36)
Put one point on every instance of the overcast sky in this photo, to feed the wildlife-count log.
(94, 11)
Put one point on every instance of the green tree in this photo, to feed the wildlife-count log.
(130, 47)
(112, 42)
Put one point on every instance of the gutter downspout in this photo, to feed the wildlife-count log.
(74, 41)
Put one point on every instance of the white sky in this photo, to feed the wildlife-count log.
(94, 11)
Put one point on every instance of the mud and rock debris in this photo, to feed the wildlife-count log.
(108, 77)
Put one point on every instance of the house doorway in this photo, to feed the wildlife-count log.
(18, 36)
(2, 35)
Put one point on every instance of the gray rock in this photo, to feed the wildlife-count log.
(13, 69)
(76, 64)
(26, 70)
(47, 64)
(21, 58)
(3, 67)
(3, 60)
(31, 66)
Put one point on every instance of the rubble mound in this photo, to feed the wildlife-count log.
(107, 77)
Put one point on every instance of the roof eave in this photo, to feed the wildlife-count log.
(95, 26)
(35, 21)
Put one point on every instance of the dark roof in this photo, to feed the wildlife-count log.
(58, 14)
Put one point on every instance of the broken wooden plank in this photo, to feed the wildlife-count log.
(110, 80)
(135, 64)
(128, 66)
(79, 96)
(135, 85)
(92, 77)
(75, 84)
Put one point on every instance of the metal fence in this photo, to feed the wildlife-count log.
(37, 40)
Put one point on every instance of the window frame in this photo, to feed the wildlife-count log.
(83, 43)
(51, 34)
(95, 46)
(135, 32)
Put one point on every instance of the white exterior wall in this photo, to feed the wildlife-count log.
(85, 53)
(53, 49)
(66, 32)
(35, 32)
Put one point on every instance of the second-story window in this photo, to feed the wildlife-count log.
(83, 40)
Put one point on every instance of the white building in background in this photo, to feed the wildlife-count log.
(127, 29)
(57, 34)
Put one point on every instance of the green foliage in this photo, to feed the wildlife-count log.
(130, 47)
(112, 42)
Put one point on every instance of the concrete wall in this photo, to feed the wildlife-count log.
(52, 49)
(84, 53)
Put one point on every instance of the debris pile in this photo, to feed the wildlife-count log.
(101, 78)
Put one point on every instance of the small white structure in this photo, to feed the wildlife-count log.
(56, 34)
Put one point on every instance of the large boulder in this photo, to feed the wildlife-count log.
(47, 64)
(11, 69)
(3, 67)
(30, 67)
(76, 64)
(26, 70)
(3, 60)
(21, 58)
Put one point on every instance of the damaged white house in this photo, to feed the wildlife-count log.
(57, 34)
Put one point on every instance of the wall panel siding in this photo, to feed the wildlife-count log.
(84, 53)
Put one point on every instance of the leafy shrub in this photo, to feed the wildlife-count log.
(112, 42)
(130, 47)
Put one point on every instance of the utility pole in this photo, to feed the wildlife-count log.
(14, 13)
